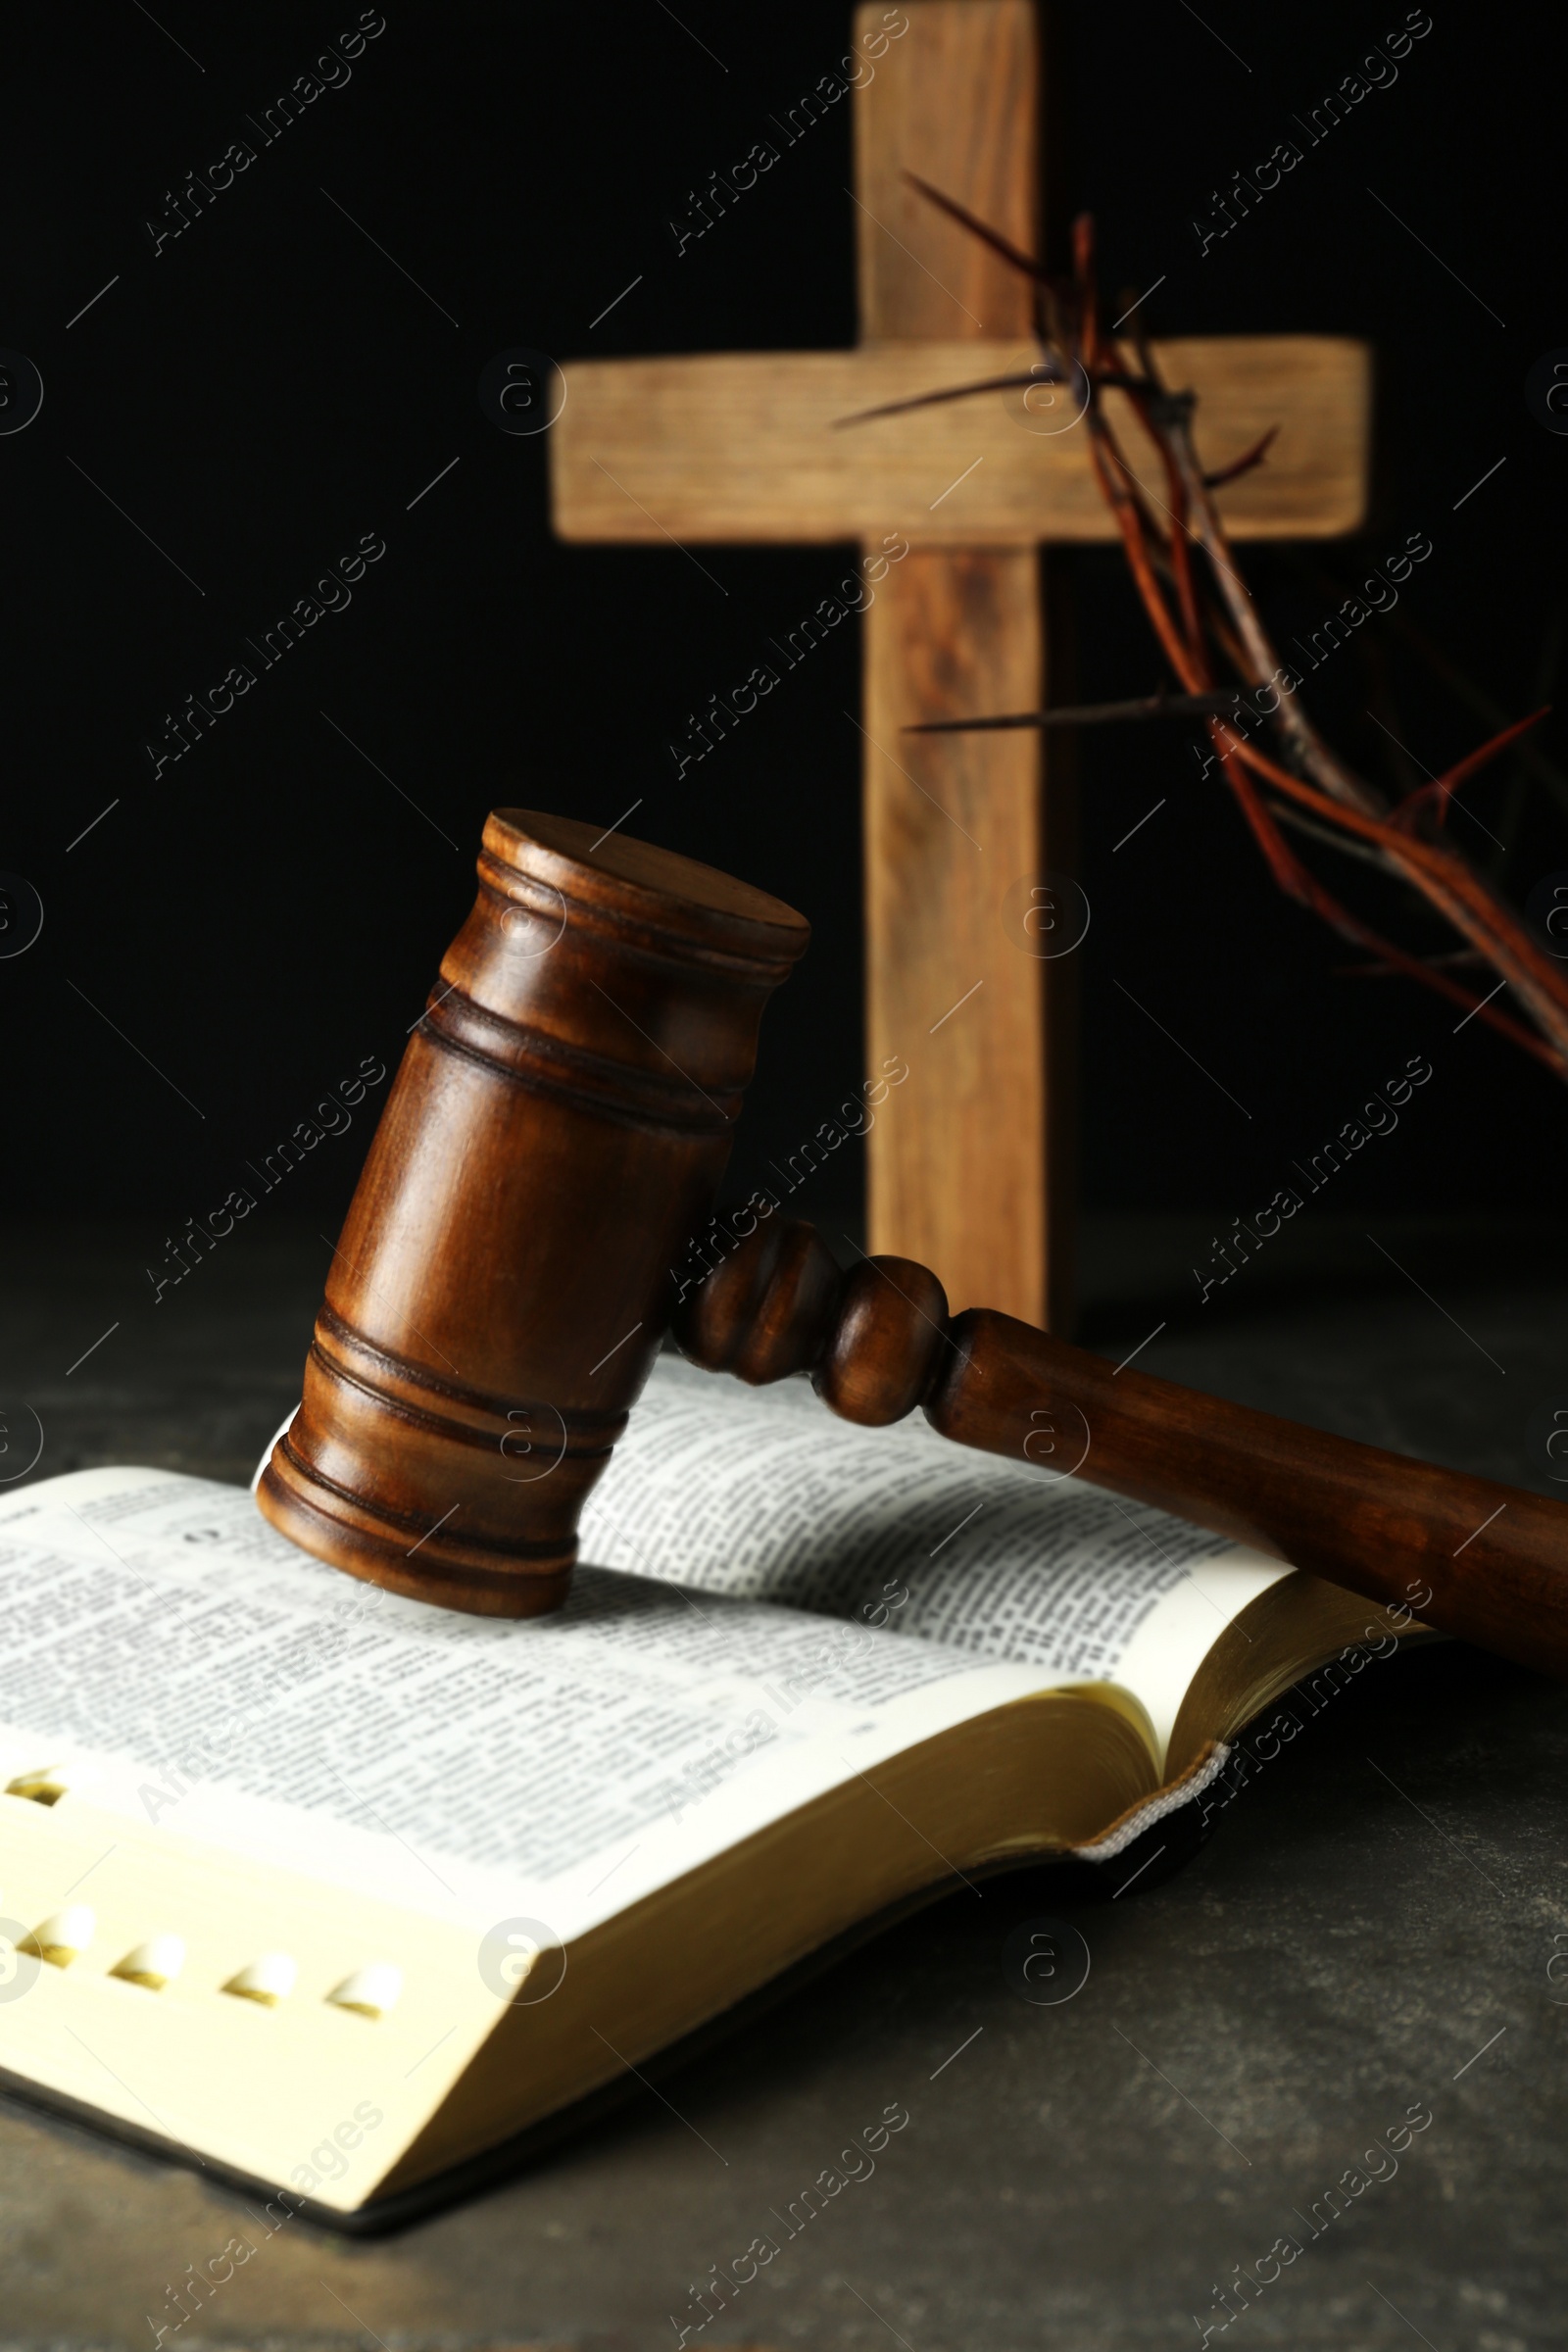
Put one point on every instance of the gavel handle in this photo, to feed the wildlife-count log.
(1486, 1563)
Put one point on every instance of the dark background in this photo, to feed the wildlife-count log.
(271, 387)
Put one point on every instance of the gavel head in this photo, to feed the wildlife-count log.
(554, 1139)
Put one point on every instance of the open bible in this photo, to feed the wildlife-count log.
(336, 1893)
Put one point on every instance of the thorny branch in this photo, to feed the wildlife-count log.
(1202, 612)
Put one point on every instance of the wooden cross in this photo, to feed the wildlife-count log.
(970, 1160)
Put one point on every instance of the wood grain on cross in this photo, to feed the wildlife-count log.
(970, 1160)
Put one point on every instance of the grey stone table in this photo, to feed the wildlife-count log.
(1368, 1933)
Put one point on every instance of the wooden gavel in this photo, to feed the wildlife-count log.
(553, 1143)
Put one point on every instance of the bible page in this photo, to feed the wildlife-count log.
(764, 1493)
(167, 1654)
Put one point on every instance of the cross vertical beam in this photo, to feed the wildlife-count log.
(970, 1160)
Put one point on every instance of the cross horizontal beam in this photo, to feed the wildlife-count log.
(749, 446)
